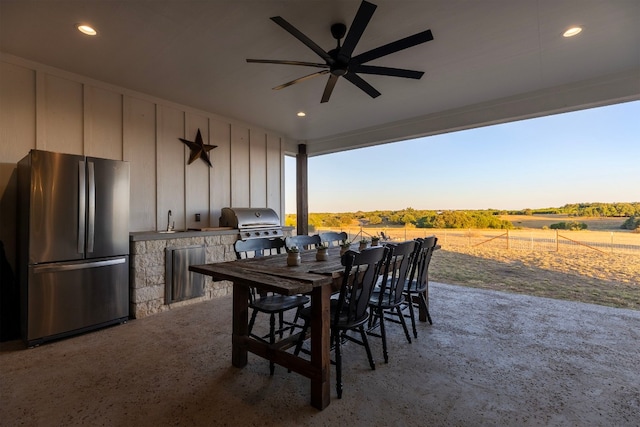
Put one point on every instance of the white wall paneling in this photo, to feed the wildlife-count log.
(17, 112)
(61, 116)
(240, 192)
(49, 109)
(196, 174)
(220, 188)
(275, 174)
(139, 149)
(103, 123)
(17, 137)
(170, 167)
(258, 168)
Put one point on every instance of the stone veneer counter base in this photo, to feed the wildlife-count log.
(147, 261)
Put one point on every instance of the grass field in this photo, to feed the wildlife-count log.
(611, 240)
(540, 221)
(600, 274)
(585, 276)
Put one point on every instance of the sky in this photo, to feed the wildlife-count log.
(584, 156)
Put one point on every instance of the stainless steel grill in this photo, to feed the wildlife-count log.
(252, 223)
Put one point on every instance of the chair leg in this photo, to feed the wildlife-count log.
(272, 339)
(252, 321)
(365, 341)
(305, 326)
(295, 320)
(298, 348)
(423, 303)
(375, 314)
(338, 365)
(383, 334)
(413, 316)
(281, 323)
(404, 324)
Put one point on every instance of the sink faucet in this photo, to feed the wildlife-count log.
(170, 226)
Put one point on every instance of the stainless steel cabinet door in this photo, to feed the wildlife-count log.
(182, 284)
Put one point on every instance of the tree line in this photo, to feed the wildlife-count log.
(408, 217)
(604, 210)
(488, 218)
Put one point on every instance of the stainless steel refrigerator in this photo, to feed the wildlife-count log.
(73, 244)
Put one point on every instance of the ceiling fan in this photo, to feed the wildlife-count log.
(340, 63)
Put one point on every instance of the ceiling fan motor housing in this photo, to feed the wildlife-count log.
(338, 31)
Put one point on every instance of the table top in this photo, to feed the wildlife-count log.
(271, 273)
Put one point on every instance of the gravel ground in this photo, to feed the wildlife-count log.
(579, 275)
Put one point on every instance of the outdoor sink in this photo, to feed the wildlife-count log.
(171, 231)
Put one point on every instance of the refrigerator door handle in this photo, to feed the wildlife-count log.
(48, 268)
(82, 205)
(91, 222)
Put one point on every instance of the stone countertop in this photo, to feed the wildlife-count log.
(136, 236)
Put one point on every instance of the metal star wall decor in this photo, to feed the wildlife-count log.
(199, 149)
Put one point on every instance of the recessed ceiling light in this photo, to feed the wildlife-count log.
(301, 114)
(573, 31)
(86, 29)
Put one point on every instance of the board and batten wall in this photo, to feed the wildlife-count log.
(49, 109)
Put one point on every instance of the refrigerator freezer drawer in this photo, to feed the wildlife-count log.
(69, 298)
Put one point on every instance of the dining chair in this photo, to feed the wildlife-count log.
(388, 296)
(302, 242)
(349, 312)
(333, 238)
(269, 302)
(418, 281)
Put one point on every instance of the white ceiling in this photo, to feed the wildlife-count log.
(490, 60)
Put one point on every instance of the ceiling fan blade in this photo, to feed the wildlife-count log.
(359, 24)
(358, 81)
(276, 61)
(301, 79)
(328, 89)
(304, 39)
(395, 46)
(386, 71)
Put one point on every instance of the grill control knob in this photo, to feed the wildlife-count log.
(247, 234)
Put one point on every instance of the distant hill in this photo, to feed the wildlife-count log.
(487, 218)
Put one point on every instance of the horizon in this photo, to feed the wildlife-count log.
(488, 209)
(548, 161)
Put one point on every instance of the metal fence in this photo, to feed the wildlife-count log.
(532, 240)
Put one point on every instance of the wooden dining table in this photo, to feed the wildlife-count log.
(271, 274)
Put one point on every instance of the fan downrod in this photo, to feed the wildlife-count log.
(338, 68)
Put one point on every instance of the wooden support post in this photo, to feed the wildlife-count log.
(302, 191)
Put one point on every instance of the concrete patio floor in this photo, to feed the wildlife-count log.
(490, 358)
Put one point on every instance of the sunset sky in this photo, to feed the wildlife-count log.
(584, 156)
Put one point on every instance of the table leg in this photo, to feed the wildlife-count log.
(240, 328)
(320, 346)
